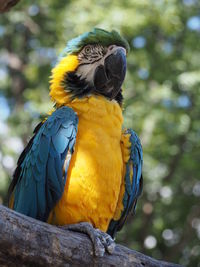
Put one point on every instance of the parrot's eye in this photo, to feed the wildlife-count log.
(91, 53)
(87, 49)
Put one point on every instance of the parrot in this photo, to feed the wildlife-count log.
(82, 170)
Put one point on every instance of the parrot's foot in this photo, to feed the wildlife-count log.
(101, 241)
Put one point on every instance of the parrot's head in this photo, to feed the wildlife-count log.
(92, 63)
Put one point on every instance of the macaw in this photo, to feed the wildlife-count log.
(81, 170)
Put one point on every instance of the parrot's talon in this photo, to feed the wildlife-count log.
(101, 241)
(107, 241)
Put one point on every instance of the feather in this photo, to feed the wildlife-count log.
(44, 148)
(133, 185)
(60, 142)
(38, 182)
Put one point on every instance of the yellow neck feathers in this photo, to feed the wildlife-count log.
(57, 92)
(94, 107)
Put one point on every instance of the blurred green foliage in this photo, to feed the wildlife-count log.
(162, 103)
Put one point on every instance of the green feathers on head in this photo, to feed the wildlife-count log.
(96, 36)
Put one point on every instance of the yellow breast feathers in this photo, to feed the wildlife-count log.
(95, 172)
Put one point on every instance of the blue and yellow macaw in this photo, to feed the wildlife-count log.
(80, 169)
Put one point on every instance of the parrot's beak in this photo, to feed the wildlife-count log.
(109, 77)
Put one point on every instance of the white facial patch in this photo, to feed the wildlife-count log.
(92, 59)
(87, 71)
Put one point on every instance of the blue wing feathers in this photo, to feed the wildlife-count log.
(38, 180)
(133, 185)
(136, 158)
(58, 163)
(60, 142)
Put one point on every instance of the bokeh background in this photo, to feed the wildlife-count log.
(162, 104)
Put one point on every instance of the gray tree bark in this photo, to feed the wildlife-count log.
(28, 242)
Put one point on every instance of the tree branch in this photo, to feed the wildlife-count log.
(28, 242)
(5, 5)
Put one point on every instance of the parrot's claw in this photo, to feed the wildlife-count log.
(101, 241)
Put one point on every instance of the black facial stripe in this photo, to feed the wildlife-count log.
(90, 56)
(94, 56)
(96, 51)
(76, 86)
(79, 88)
(86, 57)
(86, 63)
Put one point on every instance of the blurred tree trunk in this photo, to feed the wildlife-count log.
(5, 5)
(28, 242)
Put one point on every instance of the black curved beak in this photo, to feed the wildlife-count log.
(109, 77)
